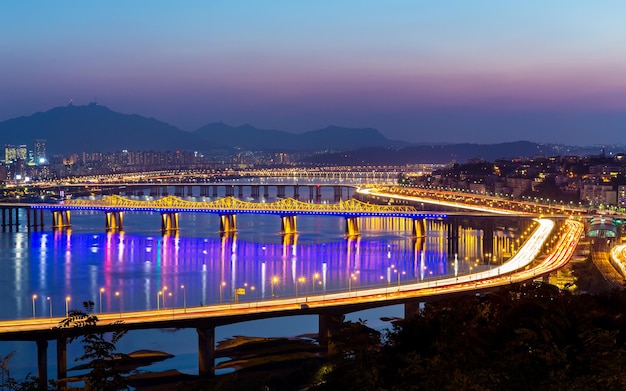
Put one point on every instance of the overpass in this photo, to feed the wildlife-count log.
(528, 263)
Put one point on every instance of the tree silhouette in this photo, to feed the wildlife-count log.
(106, 366)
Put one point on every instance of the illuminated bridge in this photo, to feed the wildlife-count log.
(228, 208)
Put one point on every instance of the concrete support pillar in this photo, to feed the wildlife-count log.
(329, 326)
(318, 192)
(4, 222)
(288, 224)
(488, 228)
(42, 363)
(206, 351)
(352, 226)
(114, 221)
(203, 191)
(214, 191)
(62, 360)
(411, 309)
(230, 191)
(154, 191)
(296, 192)
(164, 192)
(266, 191)
(255, 191)
(189, 191)
(228, 223)
(280, 191)
(419, 228)
(61, 218)
(240, 191)
(338, 193)
(311, 193)
(178, 191)
(169, 221)
(453, 237)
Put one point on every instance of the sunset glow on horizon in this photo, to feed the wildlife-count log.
(486, 71)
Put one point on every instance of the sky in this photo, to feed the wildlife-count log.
(481, 71)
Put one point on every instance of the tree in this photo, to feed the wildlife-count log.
(99, 352)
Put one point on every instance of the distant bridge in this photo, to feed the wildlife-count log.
(227, 208)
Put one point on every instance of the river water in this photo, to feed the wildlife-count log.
(50, 271)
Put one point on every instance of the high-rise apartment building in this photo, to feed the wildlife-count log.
(40, 152)
(13, 153)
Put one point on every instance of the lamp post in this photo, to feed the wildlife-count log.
(159, 293)
(222, 285)
(315, 277)
(184, 299)
(50, 303)
(34, 297)
(67, 306)
(101, 292)
(298, 281)
(164, 289)
(274, 282)
(117, 294)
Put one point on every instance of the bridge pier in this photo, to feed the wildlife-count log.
(189, 191)
(288, 224)
(453, 237)
(164, 192)
(228, 223)
(214, 191)
(266, 191)
(230, 191)
(178, 191)
(280, 191)
(60, 219)
(62, 361)
(206, 351)
(203, 191)
(488, 231)
(42, 363)
(412, 308)
(254, 191)
(329, 326)
(114, 220)
(419, 228)
(296, 192)
(352, 226)
(311, 193)
(169, 221)
(154, 191)
(338, 190)
(240, 191)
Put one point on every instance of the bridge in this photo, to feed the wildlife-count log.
(523, 266)
(114, 207)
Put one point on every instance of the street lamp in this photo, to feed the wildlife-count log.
(274, 282)
(34, 297)
(164, 289)
(159, 293)
(184, 298)
(315, 277)
(117, 294)
(67, 306)
(101, 292)
(222, 285)
(50, 302)
(300, 280)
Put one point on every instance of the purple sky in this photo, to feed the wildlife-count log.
(421, 71)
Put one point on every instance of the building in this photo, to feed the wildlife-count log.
(40, 152)
(13, 153)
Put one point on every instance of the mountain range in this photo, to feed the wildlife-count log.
(73, 129)
(95, 128)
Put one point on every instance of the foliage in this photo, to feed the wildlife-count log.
(105, 364)
(522, 337)
(7, 382)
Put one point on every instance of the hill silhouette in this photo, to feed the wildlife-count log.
(73, 129)
(330, 138)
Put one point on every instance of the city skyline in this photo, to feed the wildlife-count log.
(420, 72)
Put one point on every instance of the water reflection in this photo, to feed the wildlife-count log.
(147, 269)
